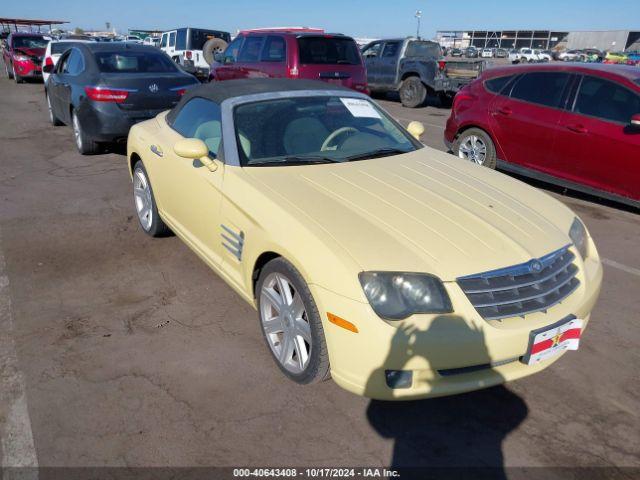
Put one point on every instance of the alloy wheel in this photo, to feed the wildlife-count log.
(77, 133)
(142, 198)
(473, 148)
(285, 323)
(50, 109)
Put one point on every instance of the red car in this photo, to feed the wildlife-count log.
(23, 54)
(293, 53)
(573, 125)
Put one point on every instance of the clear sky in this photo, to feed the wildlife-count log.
(359, 18)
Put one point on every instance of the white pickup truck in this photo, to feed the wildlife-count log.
(525, 55)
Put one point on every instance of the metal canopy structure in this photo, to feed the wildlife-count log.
(7, 23)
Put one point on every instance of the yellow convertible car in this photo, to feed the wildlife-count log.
(400, 271)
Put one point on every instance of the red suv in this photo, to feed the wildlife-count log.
(293, 53)
(573, 125)
(23, 54)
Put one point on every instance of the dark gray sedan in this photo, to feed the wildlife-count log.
(102, 89)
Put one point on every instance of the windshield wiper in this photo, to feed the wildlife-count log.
(293, 160)
(380, 152)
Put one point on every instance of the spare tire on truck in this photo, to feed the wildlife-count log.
(211, 47)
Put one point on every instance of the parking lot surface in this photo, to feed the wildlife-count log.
(120, 350)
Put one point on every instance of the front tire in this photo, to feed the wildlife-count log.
(15, 76)
(145, 203)
(86, 146)
(413, 93)
(291, 324)
(475, 145)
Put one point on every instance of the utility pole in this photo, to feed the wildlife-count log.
(418, 15)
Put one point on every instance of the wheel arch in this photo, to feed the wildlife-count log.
(258, 265)
(133, 159)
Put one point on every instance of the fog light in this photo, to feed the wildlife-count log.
(399, 378)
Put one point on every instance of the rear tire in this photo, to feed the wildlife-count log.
(85, 145)
(55, 121)
(475, 145)
(145, 204)
(413, 92)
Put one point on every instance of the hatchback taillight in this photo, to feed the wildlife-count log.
(101, 94)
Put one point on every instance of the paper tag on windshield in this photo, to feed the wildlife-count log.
(360, 108)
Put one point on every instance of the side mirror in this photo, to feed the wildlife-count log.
(48, 68)
(196, 149)
(415, 129)
(635, 121)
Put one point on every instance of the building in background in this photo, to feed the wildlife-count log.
(618, 40)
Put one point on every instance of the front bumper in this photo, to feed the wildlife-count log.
(441, 351)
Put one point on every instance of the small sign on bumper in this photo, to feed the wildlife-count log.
(547, 342)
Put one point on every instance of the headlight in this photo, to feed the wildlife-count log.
(396, 295)
(20, 58)
(578, 235)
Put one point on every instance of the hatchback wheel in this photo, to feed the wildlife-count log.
(85, 145)
(145, 204)
(476, 146)
(291, 323)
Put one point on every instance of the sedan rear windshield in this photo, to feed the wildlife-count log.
(328, 50)
(134, 62)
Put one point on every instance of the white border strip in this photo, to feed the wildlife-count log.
(621, 266)
(16, 437)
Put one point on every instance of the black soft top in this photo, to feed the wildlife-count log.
(221, 91)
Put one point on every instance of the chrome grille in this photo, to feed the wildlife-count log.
(530, 287)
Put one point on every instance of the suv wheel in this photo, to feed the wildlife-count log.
(291, 324)
(476, 146)
(413, 93)
(85, 145)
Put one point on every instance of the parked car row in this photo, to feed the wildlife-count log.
(252, 172)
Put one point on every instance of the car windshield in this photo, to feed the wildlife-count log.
(324, 129)
(30, 42)
(422, 49)
(328, 50)
(134, 62)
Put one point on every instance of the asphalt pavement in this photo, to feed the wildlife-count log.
(121, 350)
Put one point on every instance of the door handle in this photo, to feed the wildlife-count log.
(577, 128)
(504, 111)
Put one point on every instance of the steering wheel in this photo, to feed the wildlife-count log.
(335, 134)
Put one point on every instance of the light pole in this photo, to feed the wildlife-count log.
(418, 15)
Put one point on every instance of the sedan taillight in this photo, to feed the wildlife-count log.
(101, 94)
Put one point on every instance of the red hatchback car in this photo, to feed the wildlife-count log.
(23, 54)
(573, 125)
(293, 53)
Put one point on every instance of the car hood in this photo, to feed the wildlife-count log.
(424, 211)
